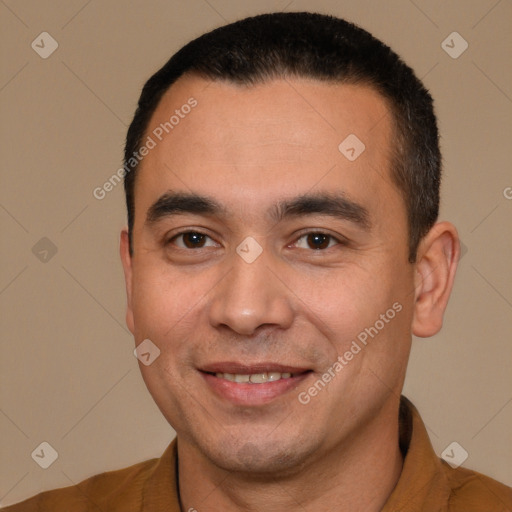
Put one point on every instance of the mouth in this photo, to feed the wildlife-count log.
(255, 378)
(252, 385)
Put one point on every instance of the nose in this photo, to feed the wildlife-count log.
(251, 296)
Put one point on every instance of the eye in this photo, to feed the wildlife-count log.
(316, 241)
(192, 240)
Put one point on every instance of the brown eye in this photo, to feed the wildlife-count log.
(316, 241)
(192, 240)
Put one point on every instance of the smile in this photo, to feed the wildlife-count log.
(255, 378)
(252, 385)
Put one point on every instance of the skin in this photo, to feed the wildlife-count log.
(249, 148)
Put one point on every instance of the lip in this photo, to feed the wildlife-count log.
(246, 369)
(245, 394)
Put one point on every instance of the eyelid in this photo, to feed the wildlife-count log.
(340, 239)
(170, 238)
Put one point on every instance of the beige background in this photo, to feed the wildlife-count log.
(68, 374)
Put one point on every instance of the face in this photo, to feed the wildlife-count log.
(270, 269)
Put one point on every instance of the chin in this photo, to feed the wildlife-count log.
(261, 457)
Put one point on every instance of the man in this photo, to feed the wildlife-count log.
(282, 184)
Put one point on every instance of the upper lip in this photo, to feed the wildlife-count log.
(248, 369)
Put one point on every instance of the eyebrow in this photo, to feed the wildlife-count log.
(334, 205)
(173, 203)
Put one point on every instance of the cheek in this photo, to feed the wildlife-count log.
(343, 300)
(160, 302)
(358, 305)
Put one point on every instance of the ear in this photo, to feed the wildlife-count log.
(126, 259)
(438, 256)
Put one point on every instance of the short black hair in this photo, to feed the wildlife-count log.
(308, 45)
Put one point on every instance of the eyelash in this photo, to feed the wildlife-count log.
(339, 241)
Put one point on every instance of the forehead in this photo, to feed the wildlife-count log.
(284, 136)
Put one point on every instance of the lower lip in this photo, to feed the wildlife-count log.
(241, 393)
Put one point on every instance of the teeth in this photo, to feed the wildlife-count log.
(259, 378)
(255, 378)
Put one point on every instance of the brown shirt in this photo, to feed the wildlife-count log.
(427, 484)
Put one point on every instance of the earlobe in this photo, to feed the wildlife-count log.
(126, 259)
(436, 265)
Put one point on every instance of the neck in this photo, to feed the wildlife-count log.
(359, 474)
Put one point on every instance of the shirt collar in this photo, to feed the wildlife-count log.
(161, 490)
(422, 484)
